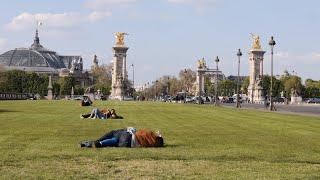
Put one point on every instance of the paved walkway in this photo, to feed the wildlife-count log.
(303, 109)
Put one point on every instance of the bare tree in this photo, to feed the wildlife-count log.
(187, 78)
(102, 78)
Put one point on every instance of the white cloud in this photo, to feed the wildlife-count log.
(97, 15)
(149, 17)
(200, 5)
(27, 20)
(282, 54)
(99, 4)
(315, 56)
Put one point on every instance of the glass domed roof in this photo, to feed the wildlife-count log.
(35, 56)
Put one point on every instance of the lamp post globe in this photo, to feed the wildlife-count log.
(272, 43)
(239, 54)
(217, 60)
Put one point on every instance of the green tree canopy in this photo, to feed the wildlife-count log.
(290, 83)
(66, 84)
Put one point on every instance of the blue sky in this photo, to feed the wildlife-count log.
(166, 36)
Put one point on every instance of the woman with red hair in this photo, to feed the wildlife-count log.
(127, 137)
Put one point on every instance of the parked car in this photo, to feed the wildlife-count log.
(228, 100)
(313, 101)
(198, 99)
(189, 99)
(128, 98)
(235, 99)
(165, 98)
(77, 97)
(279, 99)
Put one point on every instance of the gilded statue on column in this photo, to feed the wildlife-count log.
(256, 42)
(120, 38)
(201, 63)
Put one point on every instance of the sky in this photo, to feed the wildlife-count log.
(166, 36)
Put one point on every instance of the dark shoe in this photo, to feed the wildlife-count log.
(86, 115)
(96, 144)
(87, 144)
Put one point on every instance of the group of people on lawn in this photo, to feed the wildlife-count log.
(127, 137)
(102, 114)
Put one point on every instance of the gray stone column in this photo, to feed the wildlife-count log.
(261, 67)
(255, 90)
(50, 96)
(124, 71)
(119, 74)
(200, 83)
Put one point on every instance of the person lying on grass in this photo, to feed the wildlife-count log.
(102, 114)
(127, 137)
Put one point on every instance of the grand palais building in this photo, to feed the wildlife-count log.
(41, 60)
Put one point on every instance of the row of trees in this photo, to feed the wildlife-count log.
(102, 80)
(282, 86)
(169, 85)
(17, 81)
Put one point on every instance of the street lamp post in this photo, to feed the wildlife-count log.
(145, 90)
(168, 86)
(132, 75)
(122, 88)
(216, 91)
(156, 86)
(186, 88)
(272, 43)
(239, 54)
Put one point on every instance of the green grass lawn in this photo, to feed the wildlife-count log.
(39, 140)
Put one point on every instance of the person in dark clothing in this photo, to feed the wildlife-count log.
(115, 138)
(128, 137)
(266, 102)
(113, 115)
(86, 101)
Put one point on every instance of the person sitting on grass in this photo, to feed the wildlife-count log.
(128, 137)
(102, 114)
(86, 101)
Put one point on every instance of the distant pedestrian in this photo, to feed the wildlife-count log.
(266, 102)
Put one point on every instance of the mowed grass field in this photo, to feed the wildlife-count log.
(39, 140)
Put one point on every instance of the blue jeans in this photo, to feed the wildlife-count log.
(111, 138)
(97, 114)
(109, 142)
